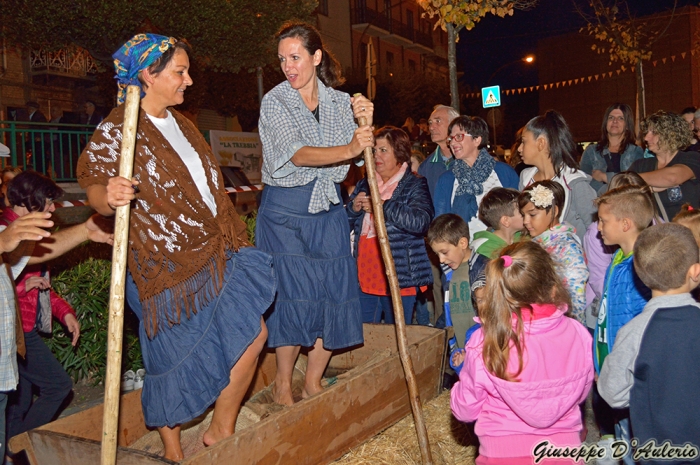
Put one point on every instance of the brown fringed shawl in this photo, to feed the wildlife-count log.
(175, 243)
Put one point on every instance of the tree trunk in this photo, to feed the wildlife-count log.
(641, 100)
(452, 65)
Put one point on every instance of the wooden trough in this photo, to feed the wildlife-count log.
(369, 396)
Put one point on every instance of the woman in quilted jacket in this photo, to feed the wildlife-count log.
(408, 211)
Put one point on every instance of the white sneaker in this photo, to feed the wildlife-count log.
(607, 445)
(128, 381)
(138, 379)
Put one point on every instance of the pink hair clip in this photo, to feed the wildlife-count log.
(507, 260)
(690, 209)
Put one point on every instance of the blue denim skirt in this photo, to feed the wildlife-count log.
(318, 292)
(189, 364)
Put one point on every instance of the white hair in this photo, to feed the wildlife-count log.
(451, 112)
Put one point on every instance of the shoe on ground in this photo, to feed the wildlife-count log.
(606, 443)
(138, 378)
(128, 381)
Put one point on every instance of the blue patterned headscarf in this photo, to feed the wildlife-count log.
(138, 53)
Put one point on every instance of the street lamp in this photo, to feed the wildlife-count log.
(529, 59)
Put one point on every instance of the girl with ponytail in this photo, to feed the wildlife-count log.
(547, 145)
(528, 367)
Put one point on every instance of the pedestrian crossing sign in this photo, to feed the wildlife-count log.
(491, 96)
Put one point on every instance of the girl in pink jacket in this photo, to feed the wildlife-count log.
(529, 367)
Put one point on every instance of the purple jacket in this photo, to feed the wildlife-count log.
(599, 257)
(511, 417)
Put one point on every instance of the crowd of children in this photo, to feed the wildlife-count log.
(538, 299)
(524, 358)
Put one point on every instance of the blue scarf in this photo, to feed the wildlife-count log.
(140, 52)
(470, 180)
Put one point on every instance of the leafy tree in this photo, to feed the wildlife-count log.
(455, 15)
(625, 38)
(227, 36)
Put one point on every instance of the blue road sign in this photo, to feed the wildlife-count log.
(491, 96)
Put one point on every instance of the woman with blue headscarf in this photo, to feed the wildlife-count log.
(197, 287)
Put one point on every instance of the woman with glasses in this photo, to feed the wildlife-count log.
(474, 173)
(408, 211)
(547, 145)
(616, 149)
(673, 175)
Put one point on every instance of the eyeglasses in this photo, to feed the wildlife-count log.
(616, 118)
(457, 138)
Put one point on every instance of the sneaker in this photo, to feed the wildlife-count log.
(606, 443)
(138, 379)
(128, 381)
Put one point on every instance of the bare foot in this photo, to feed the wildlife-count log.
(215, 434)
(311, 390)
(174, 455)
(282, 394)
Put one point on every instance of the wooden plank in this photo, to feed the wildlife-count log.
(315, 431)
(322, 428)
(88, 423)
(60, 449)
(22, 442)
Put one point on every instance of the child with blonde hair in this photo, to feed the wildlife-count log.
(623, 213)
(541, 204)
(528, 367)
(690, 218)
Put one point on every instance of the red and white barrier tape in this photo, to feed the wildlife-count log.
(84, 203)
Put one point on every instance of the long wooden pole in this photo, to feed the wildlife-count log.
(110, 420)
(380, 224)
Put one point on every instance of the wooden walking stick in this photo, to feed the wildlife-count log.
(110, 419)
(379, 223)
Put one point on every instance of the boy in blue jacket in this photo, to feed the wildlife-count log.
(623, 213)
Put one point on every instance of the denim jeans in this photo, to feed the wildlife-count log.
(421, 307)
(41, 369)
(373, 306)
(3, 404)
(622, 431)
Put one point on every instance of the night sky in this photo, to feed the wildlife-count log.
(495, 41)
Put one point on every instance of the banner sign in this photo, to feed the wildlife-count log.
(241, 149)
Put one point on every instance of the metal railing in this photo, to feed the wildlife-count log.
(369, 16)
(49, 148)
(400, 29)
(423, 38)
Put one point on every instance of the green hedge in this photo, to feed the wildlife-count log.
(86, 287)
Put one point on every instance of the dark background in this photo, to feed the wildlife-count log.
(497, 45)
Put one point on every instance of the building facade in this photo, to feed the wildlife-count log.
(64, 80)
(581, 84)
(403, 40)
